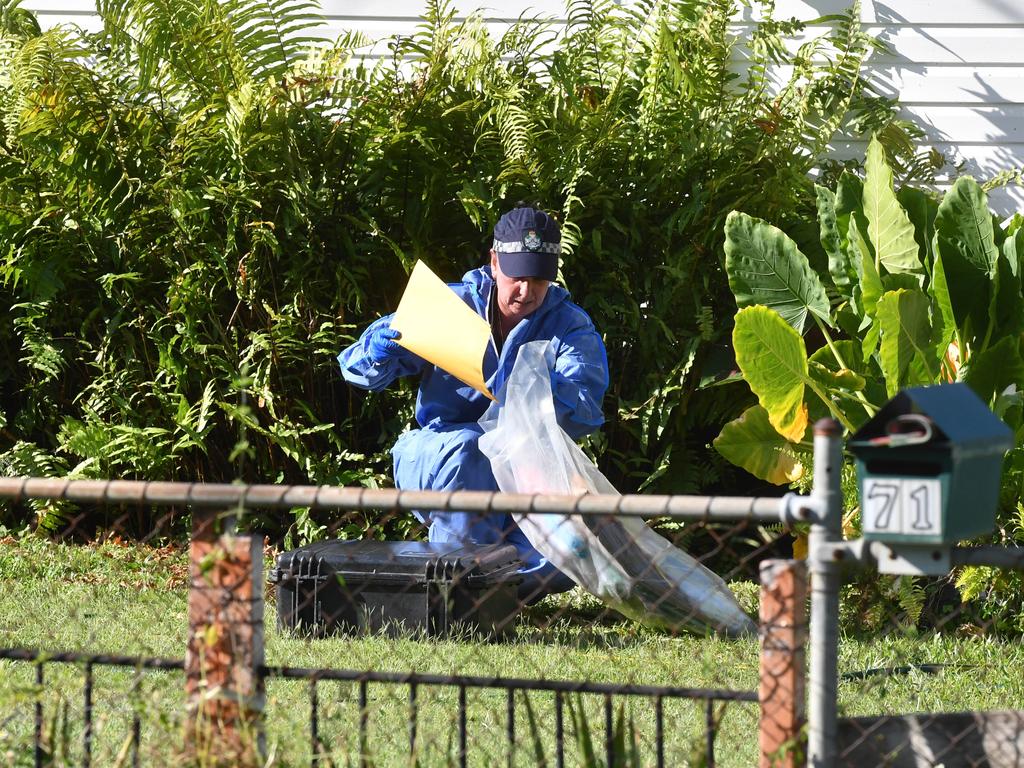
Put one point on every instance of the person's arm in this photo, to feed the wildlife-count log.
(376, 359)
(579, 381)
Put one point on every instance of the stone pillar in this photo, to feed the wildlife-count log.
(223, 683)
(783, 642)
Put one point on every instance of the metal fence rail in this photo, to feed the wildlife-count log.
(213, 495)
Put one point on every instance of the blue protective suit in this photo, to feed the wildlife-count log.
(443, 455)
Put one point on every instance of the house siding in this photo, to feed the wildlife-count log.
(957, 70)
(955, 65)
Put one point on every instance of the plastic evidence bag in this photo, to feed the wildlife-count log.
(622, 562)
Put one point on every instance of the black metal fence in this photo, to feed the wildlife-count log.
(705, 698)
(43, 749)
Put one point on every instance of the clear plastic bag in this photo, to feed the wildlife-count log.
(621, 561)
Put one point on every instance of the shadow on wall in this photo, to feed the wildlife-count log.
(975, 122)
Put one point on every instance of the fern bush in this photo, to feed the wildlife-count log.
(201, 203)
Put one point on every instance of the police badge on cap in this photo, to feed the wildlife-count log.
(531, 240)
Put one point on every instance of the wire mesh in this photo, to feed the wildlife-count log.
(926, 677)
(378, 652)
(458, 663)
(414, 654)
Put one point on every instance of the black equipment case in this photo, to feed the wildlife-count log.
(397, 586)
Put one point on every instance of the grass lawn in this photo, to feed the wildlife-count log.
(114, 598)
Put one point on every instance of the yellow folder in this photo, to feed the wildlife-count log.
(441, 328)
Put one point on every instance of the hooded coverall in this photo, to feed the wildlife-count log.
(443, 455)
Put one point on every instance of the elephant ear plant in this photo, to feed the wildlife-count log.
(916, 292)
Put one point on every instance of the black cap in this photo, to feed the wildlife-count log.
(528, 242)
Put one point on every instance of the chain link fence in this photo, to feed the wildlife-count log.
(923, 677)
(371, 653)
(410, 652)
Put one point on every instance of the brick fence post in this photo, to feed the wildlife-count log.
(783, 641)
(223, 683)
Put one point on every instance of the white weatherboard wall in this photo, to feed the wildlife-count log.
(956, 65)
(957, 69)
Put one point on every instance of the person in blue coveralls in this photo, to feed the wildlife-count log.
(517, 297)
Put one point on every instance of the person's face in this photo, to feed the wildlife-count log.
(517, 297)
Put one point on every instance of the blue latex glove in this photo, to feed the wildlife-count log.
(383, 345)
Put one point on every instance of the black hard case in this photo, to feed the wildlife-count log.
(399, 587)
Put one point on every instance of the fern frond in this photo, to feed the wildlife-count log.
(273, 35)
(26, 459)
(208, 46)
(17, 22)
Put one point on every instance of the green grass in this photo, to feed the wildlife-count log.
(131, 600)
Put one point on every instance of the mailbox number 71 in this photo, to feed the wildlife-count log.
(902, 505)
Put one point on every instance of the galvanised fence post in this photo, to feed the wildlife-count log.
(827, 498)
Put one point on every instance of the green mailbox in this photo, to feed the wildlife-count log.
(929, 466)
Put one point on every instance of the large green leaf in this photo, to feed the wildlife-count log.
(1013, 249)
(889, 227)
(996, 368)
(858, 242)
(849, 352)
(965, 242)
(921, 207)
(998, 233)
(908, 280)
(869, 289)
(853, 360)
(844, 378)
(840, 364)
(944, 322)
(848, 205)
(849, 321)
(751, 442)
(766, 268)
(806, 233)
(1006, 313)
(772, 356)
(843, 273)
(825, 200)
(907, 350)
(849, 195)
